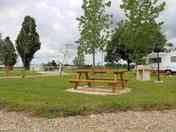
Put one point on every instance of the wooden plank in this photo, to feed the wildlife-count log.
(100, 71)
(101, 78)
(114, 83)
(96, 81)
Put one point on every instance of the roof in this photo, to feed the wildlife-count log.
(161, 54)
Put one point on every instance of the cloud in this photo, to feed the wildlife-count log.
(168, 16)
(57, 25)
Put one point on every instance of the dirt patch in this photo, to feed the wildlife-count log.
(98, 91)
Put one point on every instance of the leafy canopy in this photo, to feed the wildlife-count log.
(137, 35)
(116, 49)
(141, 26)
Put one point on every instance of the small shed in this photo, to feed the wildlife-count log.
(143, 73)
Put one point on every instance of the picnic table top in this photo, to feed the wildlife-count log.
(100, 71)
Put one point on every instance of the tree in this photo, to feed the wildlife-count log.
(1, 49)
(94, 26)
(8, 53)
(116, 50)
(141, 26)
(79, 59)
(10, 56)
(28, 42)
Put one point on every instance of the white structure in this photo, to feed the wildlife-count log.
(36, 68)
(167, 61)
(143, 73)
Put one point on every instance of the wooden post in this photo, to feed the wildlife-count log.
(87, 78)
(114, 87)
(76, 85)
(122, 80)
(115, 76)
(7, 68)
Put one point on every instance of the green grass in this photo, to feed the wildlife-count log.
(47, 97)
(16, 73)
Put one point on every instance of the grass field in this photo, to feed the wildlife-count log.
(16, 73)
(47, 97)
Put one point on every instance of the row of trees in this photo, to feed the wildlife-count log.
(27, 43)
(134, 37)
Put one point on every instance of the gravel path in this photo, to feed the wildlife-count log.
(155, 121)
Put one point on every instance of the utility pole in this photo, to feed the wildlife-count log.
(157, 51)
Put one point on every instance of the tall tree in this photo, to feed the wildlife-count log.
(1, 49)
(8, 53)
(10, 57)
(94, 26)
(141, 26)
(28, 42)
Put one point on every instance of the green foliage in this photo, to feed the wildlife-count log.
(116, 49)
(7, 52)
(141, 27)
(79, 59)
(94, 26)
(1, 49)
(28, 42)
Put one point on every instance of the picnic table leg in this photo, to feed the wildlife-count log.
(78, 76)
(76, 85)
(115, 76)
(114, 88)
(87, 78)
(121, 77)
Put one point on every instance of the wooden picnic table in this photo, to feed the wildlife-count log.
(87, 76)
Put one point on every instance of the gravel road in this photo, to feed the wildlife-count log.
(154, 121)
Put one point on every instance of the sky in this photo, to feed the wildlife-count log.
(58, 27)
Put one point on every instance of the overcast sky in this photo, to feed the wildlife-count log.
(57, 25)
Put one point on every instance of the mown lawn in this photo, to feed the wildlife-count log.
(47, 97)
(3, 73)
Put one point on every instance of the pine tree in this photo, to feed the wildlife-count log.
(28, 42)
(7, 53)
(10, 56)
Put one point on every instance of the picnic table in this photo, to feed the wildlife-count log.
(88, 76)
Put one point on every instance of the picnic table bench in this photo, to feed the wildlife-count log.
(117, 81)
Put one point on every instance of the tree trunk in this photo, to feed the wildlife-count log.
(7, 70)
(26, 68)
(93, 57)
(27, 65)
(128, 63)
